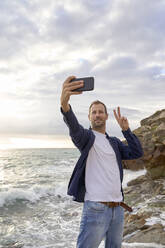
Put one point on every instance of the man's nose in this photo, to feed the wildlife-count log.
(97, 114)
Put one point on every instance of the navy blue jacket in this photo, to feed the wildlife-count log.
(83, 139)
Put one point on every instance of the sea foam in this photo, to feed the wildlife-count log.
(142, 245)
(32, 194)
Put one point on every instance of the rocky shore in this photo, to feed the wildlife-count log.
(146, 194)
(146, 224)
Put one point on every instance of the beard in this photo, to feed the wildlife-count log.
(98, 124)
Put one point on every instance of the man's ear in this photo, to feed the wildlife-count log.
(107, 117)
(88, 116)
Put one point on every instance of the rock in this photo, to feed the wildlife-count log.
(147, 198)
(146, 194)
(134, 165)
(158, 204)
(153, 234)
(138, 180)
(152, 137)
(13, 245)
(156, 118)
(75, 214)
(135, 222)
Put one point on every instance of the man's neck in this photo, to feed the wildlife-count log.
(99, 130)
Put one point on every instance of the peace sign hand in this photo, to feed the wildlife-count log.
(123, 122)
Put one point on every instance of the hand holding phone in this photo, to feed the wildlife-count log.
(69, 89)
(88, 83)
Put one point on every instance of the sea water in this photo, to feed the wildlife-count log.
(35, 211)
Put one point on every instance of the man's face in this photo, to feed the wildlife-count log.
(97, 116)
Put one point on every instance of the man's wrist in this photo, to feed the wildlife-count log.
(65, 107)
(125, 130)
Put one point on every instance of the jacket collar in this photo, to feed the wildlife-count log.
(107, 136)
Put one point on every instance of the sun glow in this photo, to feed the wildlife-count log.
(17, 142)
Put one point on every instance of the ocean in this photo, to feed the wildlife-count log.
(35, 211)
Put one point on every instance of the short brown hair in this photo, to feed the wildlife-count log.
(98, 102)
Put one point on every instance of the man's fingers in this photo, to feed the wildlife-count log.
(69, 79)
(118, 111)
(76, 92)
(76, 85)
(69, 87)
(123, 118)
(118, 114)
(115, 114)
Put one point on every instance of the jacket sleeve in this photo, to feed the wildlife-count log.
(78, 133)
(133, 150)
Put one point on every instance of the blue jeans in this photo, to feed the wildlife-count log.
(99, 222)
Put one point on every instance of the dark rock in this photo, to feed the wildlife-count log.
(138, 180)
(13, 245)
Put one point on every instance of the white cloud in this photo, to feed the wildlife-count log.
(120, 43)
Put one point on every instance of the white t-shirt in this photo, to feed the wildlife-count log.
(102, 176)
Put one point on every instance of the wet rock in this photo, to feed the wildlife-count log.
(138, 180)
(153, 234)
(13, 245)
(147, 198)
(75, 214)
(158, 204)
(135, 222)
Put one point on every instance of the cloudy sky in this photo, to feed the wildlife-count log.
(119, 42)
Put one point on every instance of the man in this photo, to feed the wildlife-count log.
(98, 174)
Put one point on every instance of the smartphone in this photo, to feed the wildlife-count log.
(88, 83)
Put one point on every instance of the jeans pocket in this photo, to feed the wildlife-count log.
(95, 206)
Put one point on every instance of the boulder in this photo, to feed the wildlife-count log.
(152, 137)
